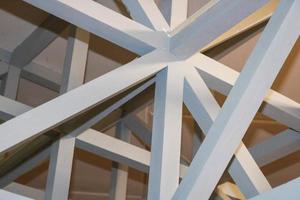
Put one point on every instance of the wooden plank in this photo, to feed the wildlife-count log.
(218, 147)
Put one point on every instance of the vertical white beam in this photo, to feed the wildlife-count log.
(205, 109)
(12, 82)
(242, 103)
(146, 12)
(61, 158)
(60, 169)
(166, 136)
(75, 60)
(119, 171)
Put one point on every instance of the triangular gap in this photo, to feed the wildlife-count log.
(235, 51)
(35, 178)
(287, 81)
(22, 153)
(116, 5)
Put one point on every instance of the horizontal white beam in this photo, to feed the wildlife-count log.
(20, 128)
(117, 150)
(202, 28)
(221, 78)
(104, 22)
(10, 108)
(11, 196)
(25, 190)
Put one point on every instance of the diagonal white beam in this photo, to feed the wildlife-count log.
(166, 133)
(37, 41)
(138, 127)
(225, 135)
(289, 190)
(38, 158)
(119, 174)
(276, 147)
(202, 28)
(253, 20)
(146, 12)
(20, 128)
(24, 167)
(221, 78)
(105, 23)
(204, 108)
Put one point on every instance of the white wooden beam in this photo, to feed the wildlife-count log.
(42, 75)
(24, 167)
(117, 150)
(103, 22)
(25, 190)
(75, 60)
(114, 149)
(255, 19)
(12, 82)
(10, 108)
(166, 133)
(289, 190)
(202, 28)
(146, 12)
(221, 78)
(204, 108)
(19, 129)
(139, 128)
(119, 172)
(60, 169)
(11, 196)
(276, 147)
(218, 147)
(36, 159)
(37, 41)
(62, 151)
(179, 12)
